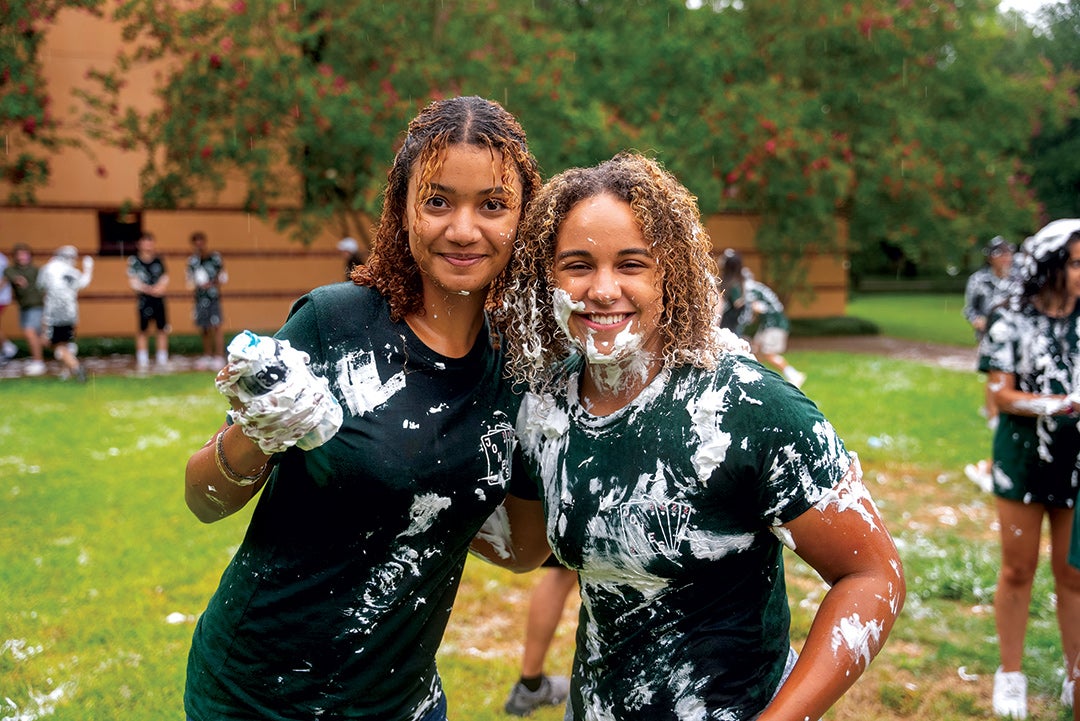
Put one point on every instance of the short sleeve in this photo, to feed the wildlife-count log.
(783, 455)
(522, 483)
(805, 461)
(301, 329)
(997, 350)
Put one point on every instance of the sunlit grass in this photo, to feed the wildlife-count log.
(932, 317)
(98, 550)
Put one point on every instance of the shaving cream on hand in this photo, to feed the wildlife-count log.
(282, 402)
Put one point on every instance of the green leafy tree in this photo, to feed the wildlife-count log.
(899, 118)
(31, 131)
(304, 103)
(1056, 174)
(893, 116)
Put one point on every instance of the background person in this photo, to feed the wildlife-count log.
(1031, 352)
(338, 597)
(672, 467)
(756, 306)
(8, 350)
(150, 281)
(1074, 673)
(350, 254)
(61, 282)
(731, 286)
(535, 688)
(22, 274)
(985, 288)
(988, 286)
(205, 275)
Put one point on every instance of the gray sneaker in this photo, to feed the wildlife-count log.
(552, 692)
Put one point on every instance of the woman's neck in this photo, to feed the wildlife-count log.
(450, 324)
(609, 387)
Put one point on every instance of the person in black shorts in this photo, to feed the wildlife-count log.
(150, 280)
(205, 275)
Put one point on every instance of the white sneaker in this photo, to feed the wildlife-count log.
(1010, 694)
(34, 368)
(1067, 687)
(794, 377)
(10, 350)
(980, 474)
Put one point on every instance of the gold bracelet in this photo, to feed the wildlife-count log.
(227, 470)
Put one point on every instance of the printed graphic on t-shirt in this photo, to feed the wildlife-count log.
(498, 445)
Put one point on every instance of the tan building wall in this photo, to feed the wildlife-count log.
(826, 272)
(266, 270)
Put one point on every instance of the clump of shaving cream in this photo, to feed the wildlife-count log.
(622, 365)
(283, 402)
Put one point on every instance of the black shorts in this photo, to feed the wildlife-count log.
(61, 333)
(1021, 473)
(152, 309)
(207, 312)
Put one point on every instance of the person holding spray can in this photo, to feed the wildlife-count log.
(337, 599)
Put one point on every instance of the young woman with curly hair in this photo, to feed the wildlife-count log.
(1031, 353)
(337, 599)
(669, 469)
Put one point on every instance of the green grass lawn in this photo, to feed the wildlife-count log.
(932, 317)
(98, 552)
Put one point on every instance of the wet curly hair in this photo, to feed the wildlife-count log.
(469, 120)
(670, 221)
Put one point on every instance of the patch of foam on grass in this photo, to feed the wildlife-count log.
(37, 704)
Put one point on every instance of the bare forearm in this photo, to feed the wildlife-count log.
(513, 536)
(208, 492)
(849, 630)
(1018, 403)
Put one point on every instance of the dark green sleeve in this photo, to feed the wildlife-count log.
(301, 329)
(522, 483)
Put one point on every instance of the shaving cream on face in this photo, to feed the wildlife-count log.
(563, 308)
(613, 369)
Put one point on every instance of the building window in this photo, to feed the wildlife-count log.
(118, 231)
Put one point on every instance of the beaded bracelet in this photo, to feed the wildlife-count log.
(227, 470)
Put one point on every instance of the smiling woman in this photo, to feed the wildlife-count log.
(336, 601)
(669, 469)
(609, 296)
(461, 223)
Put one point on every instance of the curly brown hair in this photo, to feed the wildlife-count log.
(670, 221)
(391, 268)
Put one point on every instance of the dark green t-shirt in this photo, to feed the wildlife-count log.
(336, 601)
(1036, 457)
(667, 509)
(1074, 548)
